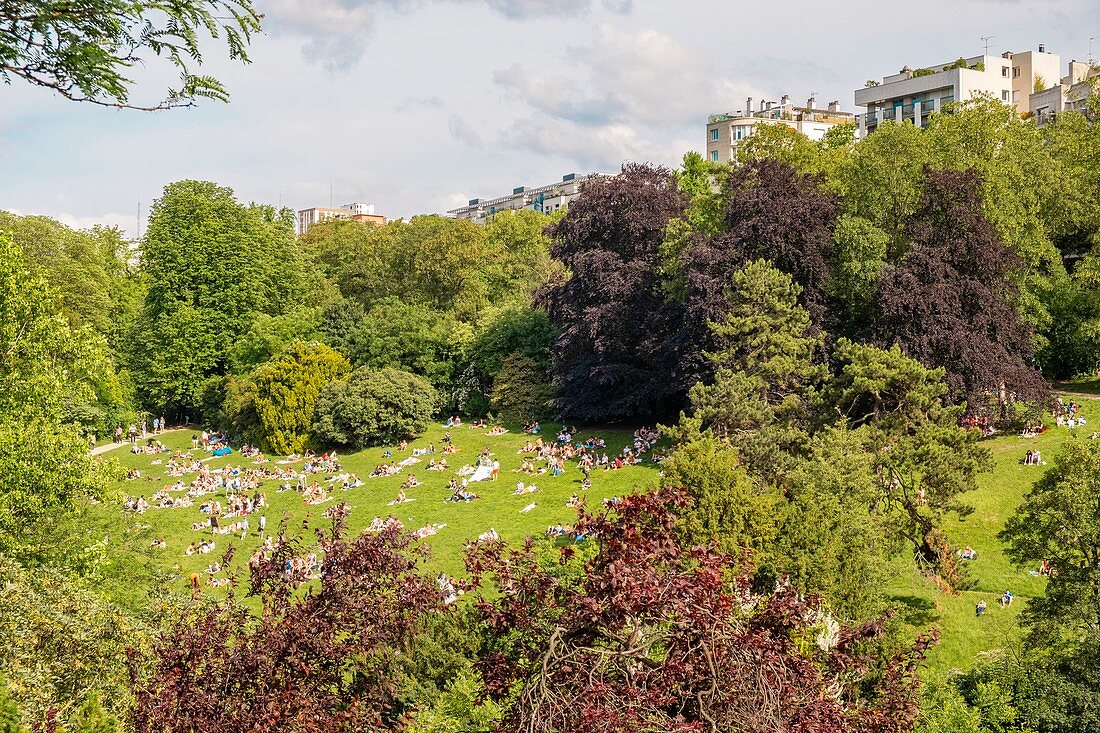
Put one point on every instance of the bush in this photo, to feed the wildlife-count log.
(286, 390)
(520, 391)
(374, 407)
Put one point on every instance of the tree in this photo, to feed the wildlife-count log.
(85, 50)
(286, 391)
(520, 391)
(45, 364)
(922, 459)
(374, 407)
(950, 302)
(729, 512)
(614, 350)
(857, 264)
(654, 635)
(212, 265)
(271, 334)
(410, 337)
(320, 657)
(91, 718)
(764, 366)
(1059, 523)
(773, 213)
(10, 721)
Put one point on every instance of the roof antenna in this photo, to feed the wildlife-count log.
(1091, 39)
(985, 40)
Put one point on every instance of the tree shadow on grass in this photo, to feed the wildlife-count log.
(914, 610)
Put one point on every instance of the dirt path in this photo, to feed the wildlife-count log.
(100, 449)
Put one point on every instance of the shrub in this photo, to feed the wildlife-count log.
(286, 390)
(374, 407)
(520, 391)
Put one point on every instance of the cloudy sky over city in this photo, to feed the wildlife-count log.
(418, 105)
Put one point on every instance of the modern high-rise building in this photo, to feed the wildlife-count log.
(356, 212)
(912, 95)
(726, 131)
(547, 199)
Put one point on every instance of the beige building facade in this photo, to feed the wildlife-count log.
(1070, 93)
(363, 213)
(913, 95)
(725, 132)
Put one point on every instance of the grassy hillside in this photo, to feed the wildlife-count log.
(964, 637)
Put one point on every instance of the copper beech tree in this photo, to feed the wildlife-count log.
(318, 658)
(654, 636)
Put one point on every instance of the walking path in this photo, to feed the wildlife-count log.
(99, 449)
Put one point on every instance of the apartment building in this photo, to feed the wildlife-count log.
(726, 131)
(1070, 93)
(912, 95)
(356, 212)
(547, 199)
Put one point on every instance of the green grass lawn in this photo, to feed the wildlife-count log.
(497, 508)
(964, 637)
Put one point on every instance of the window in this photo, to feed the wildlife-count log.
(1015, 72)
(714, 156)
(1004, 95)
(714, 135)
(740, 132)
(1004, 71)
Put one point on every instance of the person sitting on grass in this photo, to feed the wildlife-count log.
(410, 482)
(980, 608)
(968, 553)
(1007, 598)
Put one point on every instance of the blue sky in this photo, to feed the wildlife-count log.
(418, 105)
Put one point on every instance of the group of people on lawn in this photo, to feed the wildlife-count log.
(243, 498)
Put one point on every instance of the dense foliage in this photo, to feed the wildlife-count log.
(374, 407)
(827, 329)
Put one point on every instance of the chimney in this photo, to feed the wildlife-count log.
(748, 106)
(1042, 48)
(834, 106)
(811, 102)
(785, 100)
(762, 102)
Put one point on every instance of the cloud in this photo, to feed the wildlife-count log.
(128, 223)
(463, 132)
(336, 32)
(643, 78)
(623, 96)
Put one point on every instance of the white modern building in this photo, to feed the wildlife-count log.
(357, 212)
(547, 199)
(726, 131)
(912, 95)
(1071, 93)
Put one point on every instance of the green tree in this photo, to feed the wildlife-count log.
(269, 335)
(10, 722)
(374, 407)
(411, 337)
(520, 390)
(45, 364)
(730, 512)
(922, 459)
(212, 266)
(859, 259)
(84, 51)
(286, 390)
(763, 387)
(90, 717)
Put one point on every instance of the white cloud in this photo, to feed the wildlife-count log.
(128, 223)
(463, 132)
(623, 96)
(336, 32)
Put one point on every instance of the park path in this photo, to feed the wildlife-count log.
(99, 449)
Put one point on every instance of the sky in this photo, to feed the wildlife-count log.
(417, 106)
